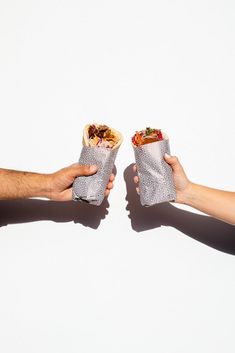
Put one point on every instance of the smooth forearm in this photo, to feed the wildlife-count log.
(20, 185)
(216, 203)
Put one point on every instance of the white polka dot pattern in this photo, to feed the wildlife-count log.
(91, 188)
(155, 175)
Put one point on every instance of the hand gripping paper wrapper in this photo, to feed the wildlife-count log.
(155, 175)
(91, 189)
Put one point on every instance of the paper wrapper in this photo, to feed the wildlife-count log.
(155, 175)
(91, 188)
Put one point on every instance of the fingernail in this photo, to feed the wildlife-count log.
(167, 155)
(93, 168)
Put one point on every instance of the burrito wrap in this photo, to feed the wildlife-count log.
(91, 188)
(155, 175)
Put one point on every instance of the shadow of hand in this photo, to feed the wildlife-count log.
(23, 211)
(207, 230)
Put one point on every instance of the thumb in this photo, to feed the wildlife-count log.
(173, 162)
(79, 170)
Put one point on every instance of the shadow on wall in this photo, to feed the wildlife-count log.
(207, 230)
(23, 211)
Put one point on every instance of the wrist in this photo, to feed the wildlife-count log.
(46, 186)
(40, 184)
(187, 195)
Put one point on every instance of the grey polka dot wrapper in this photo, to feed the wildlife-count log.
(155, 175)
(91, 188)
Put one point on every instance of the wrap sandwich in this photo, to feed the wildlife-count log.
(100, 147)
(155, 175)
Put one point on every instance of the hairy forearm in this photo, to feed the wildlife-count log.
(20, 185)
(217, 203)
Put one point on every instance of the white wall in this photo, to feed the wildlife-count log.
(111, 279)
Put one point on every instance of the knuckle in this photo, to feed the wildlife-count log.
(175, 160)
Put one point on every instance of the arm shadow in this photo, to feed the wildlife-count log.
(24, 211)
(205, 229)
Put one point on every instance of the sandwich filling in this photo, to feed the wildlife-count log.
(102, 136)
(146, 136)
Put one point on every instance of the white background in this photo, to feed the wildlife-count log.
(111, 279)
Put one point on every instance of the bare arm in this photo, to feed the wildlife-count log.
(20, 185)
(55, 186)
(216, 203)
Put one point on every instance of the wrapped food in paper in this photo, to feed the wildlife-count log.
(100, 147)
(155, 175)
